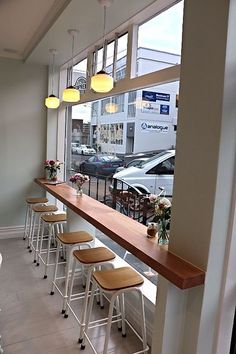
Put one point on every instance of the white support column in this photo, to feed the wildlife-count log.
(202, 218)
(169, 325)
(52, 125)
(76, 223)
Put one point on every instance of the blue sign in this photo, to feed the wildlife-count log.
(149, 96)
(162, 96)
(164, 109)
(155, 96)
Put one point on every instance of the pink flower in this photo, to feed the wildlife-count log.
(79, 179)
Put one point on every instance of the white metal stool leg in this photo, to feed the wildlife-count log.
(90, 306)
(40, 245)
(67, 271)
(31, 229)
(36, 249)
(55, 268)
(48, 251)
(26, 229)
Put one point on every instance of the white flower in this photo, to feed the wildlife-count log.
(153, 198)
(165, 202)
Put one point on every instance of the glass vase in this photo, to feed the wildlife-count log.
(52, 175)
(163, 237)
(79, 190)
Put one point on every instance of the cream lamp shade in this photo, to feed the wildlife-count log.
(102, 82)
(70, 94)
(111, 107)
(52, 102)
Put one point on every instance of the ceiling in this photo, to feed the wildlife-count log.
(29, 28)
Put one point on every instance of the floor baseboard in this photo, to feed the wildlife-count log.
(11, 232)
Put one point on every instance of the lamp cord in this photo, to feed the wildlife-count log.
(53, 59)
(72, 57)
(104, 35)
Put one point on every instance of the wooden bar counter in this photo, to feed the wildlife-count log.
(128, 233)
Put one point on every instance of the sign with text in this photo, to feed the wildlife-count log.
(153, 107)
(153, 126)
(164, 109)
(152, 96)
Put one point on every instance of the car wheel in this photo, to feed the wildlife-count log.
(82, 152)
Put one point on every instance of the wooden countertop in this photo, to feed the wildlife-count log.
(129, 234)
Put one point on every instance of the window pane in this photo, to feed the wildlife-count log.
(110, 57)
(99, 60)
(159, 41)
(79, 76)
(121, 57)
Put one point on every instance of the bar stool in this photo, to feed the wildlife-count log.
(37, 212)
(68, 241)
(116, 282)
(28, 215)
(91, 258)
(52, 220)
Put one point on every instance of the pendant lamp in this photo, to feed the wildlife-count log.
(71, 94)
(102, 82)
(52, 101)
(111, 107)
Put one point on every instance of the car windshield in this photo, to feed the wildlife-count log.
(135, 163)
(108, 158)
(162, 153)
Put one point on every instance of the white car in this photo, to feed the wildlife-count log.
(74, 148)
(151, 175)
(135, 162)
(86, 150)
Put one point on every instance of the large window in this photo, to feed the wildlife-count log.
(119, 61)
(159, 41)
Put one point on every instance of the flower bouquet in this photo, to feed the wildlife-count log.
(78, 179)
(162, 215)
(52, 166)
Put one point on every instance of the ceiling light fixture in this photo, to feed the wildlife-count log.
(102, 82)
(111, 107)
(52, 101)
(71, 94)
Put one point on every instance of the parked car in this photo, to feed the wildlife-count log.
(101, 164)
(152, 174)
(135, 162)
(86, 150)
(74, 148)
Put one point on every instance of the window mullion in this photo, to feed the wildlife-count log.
(132, 51)
(115, 56)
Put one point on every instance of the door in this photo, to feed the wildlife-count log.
(162, 175)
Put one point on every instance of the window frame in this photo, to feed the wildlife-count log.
(129, 83)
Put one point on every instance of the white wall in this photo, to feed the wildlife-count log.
(23, 88)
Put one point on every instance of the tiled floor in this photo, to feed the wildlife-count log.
(30, 321)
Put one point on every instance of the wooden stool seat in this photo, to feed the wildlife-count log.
(44, 208)
(36, 200)
(94, 255)
(118, 278)
(53, 218)
(71, 238)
